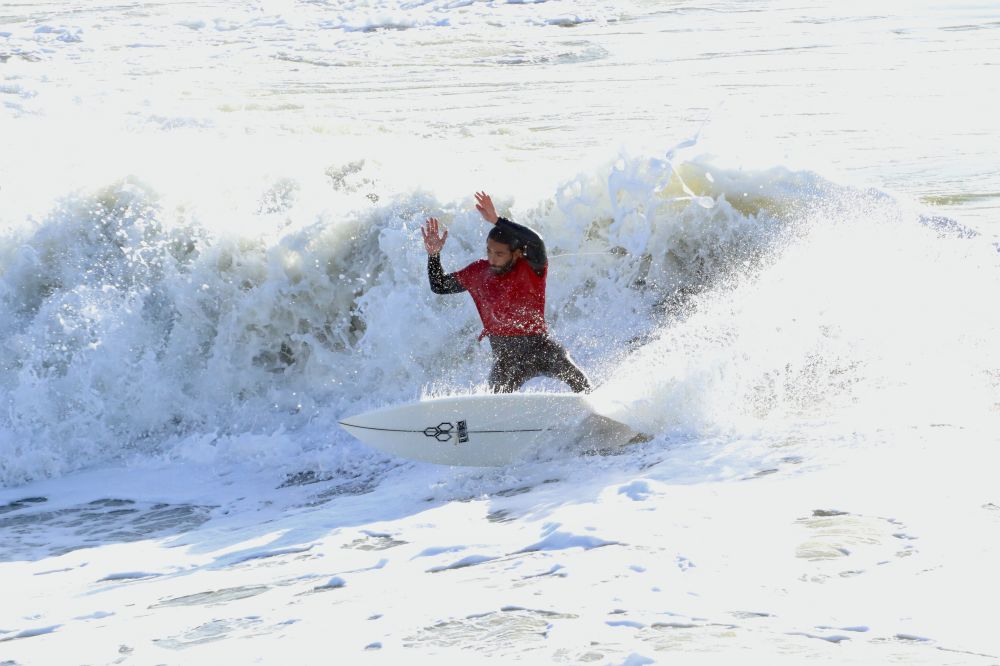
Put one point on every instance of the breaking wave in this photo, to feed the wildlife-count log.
(699, 297)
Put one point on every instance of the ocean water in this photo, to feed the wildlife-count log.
(775, 246)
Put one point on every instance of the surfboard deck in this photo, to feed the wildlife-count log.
(486, 430)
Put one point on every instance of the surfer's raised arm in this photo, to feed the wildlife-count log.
(519, 237)
(528, 242)
(433, 242)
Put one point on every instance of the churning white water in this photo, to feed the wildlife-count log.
(774, 242)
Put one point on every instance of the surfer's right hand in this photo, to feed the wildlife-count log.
(433, 241)
(484, 204)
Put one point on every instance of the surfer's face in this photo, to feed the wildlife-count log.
(500, 256)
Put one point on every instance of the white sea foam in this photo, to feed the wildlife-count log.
(209, 252)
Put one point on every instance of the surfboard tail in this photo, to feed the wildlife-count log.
(604, 405)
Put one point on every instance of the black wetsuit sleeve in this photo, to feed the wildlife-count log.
(532, 245)
(441, 283)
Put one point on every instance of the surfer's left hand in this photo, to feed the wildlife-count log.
(485, 207)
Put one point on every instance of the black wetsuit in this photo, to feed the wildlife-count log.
(517, 358)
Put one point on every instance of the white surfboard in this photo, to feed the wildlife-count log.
(487, 430)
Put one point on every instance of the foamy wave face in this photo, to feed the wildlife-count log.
(699, 297)
(861, 317)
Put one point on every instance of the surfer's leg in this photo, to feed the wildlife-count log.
(503, 378)
(559, 365)
(513, 362)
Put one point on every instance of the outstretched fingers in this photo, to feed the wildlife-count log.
(484, 204)
(433, 238)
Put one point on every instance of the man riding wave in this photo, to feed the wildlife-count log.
(508, 288)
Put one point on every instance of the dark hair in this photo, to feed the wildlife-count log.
(501, 235)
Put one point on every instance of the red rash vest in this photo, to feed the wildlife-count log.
(508, 304)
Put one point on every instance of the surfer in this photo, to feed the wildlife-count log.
(508, 288)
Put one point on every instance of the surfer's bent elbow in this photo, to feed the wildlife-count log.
(529, 242)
